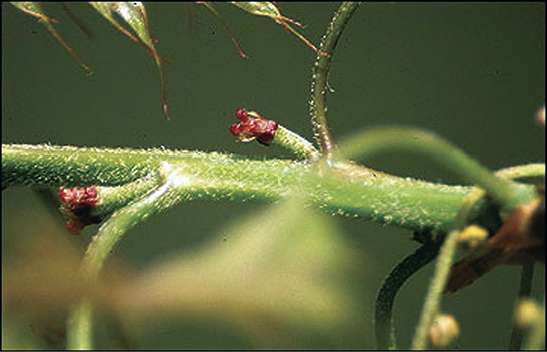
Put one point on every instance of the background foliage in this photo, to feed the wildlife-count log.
(474, 73)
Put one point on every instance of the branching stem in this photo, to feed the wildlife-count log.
(79, 335)
(506, 192)
(341, 188)
(446, 257)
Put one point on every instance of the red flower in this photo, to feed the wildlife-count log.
(253, 126)
(79, 196)
(78, 203)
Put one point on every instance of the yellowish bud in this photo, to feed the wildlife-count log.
(526, 314)
(472, 237)
(444, 331)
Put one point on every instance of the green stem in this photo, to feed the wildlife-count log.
(447, 253)
(79, 335)
(432, 300)
(318, 106)
(114, 198)
(294, 143)
(506, 192)
(79, 326)
(339, 187)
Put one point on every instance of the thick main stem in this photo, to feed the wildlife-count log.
(341, 188)
(505, 192)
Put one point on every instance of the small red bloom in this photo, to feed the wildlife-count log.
(78, 203)
(79, 196)
(253, 126)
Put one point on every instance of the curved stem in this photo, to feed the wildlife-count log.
(385, 337)
(318, 106)
(432, 300)
(79, 327)
(446, 257)
(506, 193)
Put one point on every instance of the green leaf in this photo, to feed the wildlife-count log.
(282, 263)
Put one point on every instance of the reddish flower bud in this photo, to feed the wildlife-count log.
(78, 203)
(253, 126)
(242, 115)
(79, 196)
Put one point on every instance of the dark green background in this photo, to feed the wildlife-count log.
(473, 73)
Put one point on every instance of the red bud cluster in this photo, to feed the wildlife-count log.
(78, 203)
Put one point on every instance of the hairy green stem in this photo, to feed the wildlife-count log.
(318, 106)
(506, 192)
(339, 188)
(114, 198)
(294, 143)
(79, 335)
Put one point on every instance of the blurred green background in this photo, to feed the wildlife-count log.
(473, 73)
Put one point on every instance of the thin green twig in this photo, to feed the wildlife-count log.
(296, 144)
(432, 300)
(318, 106)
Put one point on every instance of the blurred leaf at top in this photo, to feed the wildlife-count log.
(271, 10)
(134, 14)
(35, 9)
(282, 266)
